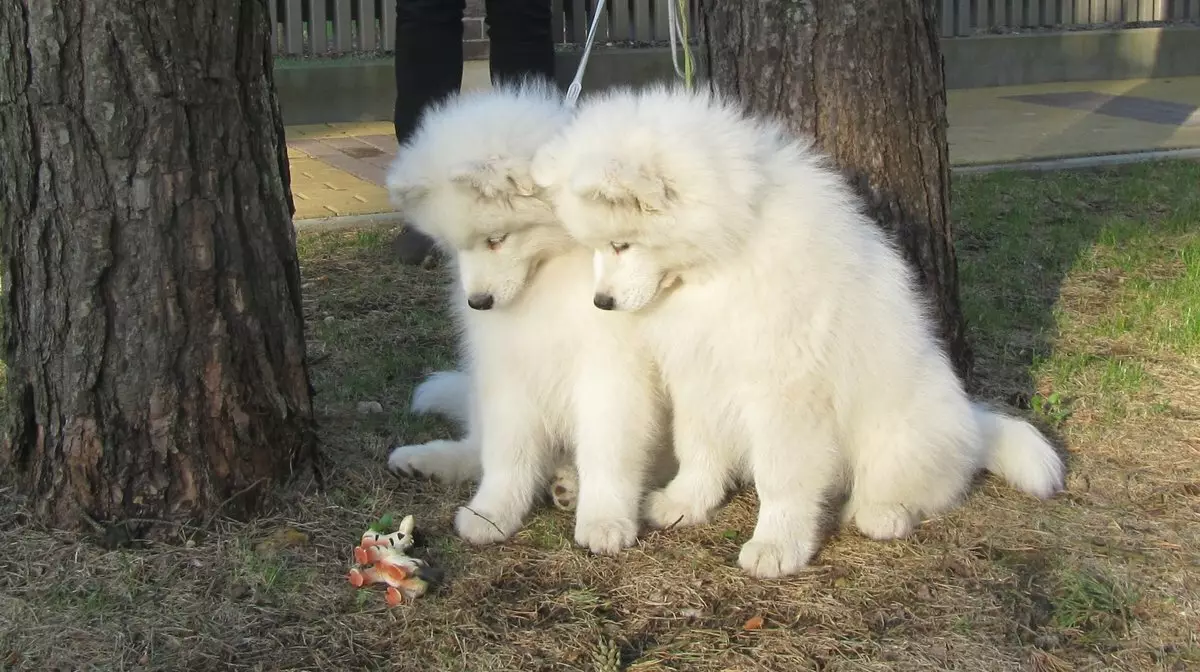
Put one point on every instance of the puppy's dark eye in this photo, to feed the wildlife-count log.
(496, 241)
(619, 247)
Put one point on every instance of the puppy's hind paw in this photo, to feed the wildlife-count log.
(445, 461)
(564, 489)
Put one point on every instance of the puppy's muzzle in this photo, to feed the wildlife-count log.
(481, 301)
(604, 301)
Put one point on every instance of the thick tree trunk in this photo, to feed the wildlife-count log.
(153, 326)
(865, 78)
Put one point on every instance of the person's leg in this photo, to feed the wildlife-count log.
(429, 67)
(521, 43)
(429, 57)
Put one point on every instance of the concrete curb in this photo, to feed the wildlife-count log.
(374, 220)
(1090, 161)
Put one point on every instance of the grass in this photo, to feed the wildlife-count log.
(1092, 605)
(1083, 295)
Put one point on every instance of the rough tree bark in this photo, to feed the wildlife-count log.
(153, 326)
(865, 78)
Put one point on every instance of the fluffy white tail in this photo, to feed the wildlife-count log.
(446, 393)
(1018, 453)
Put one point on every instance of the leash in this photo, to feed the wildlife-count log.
(576, 87)
(677, 26)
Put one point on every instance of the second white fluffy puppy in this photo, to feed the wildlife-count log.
(546, 369)
(791, 336)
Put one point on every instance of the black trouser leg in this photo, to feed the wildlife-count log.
(429, 57)
(429, 67)
(521, 43)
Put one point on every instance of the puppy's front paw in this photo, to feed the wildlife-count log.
(606, 536)
(666, 509)
(773, 559)
(882, 522)
(480, 526)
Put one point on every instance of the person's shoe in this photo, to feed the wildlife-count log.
(414, 248)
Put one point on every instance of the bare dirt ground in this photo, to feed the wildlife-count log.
(1083, 292)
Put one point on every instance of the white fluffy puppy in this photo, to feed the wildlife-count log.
(790, 334)
(546, 369)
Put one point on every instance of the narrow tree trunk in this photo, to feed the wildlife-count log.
(153, 327)
(865, 78)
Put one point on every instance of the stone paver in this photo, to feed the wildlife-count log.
(340, 169)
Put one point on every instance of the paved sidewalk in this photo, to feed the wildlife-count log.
(338, 169)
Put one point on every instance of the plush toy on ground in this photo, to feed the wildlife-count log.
(380, 558)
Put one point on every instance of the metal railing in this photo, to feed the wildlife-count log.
(331, 27)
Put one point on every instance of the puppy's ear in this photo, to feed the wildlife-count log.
(496, 177)
(620, 183)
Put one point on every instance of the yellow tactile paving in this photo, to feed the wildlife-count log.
(985, 127)
(320, 190)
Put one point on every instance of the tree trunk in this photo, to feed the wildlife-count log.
(864, 78)
(153, 328)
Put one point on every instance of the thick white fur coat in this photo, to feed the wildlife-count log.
(790, 335)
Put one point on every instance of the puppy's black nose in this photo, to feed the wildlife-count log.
(481, 301)
(604, 301)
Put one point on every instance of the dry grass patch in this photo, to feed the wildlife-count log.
(1082, 291)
